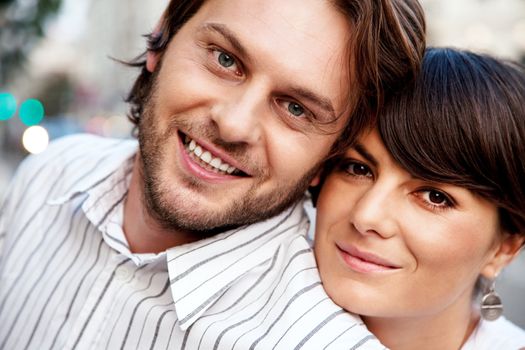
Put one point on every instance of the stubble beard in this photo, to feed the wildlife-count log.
(167, 206)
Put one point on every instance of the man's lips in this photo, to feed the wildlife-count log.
(210, 158)
(364, 261)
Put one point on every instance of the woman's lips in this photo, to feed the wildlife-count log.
(365, 262)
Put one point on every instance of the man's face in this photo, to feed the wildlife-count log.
(248, 100)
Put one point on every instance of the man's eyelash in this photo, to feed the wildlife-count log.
(214, 52)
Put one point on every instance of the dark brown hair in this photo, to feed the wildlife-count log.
(463, 123)
(385, 54)
(385, 51)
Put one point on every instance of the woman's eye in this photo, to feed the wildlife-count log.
(436, 199)
(358, 169)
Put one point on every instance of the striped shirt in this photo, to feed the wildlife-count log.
(69, 281)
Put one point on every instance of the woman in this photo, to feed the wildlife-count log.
(430, 204)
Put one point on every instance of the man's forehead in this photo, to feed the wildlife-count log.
(317, 20)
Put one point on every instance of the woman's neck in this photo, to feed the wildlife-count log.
(447, 331)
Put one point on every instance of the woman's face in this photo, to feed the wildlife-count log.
(391, 245)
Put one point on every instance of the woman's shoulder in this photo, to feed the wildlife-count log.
(500, 334)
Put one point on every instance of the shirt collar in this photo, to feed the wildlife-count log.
(104, 208)
(104, 191)
(202, 271)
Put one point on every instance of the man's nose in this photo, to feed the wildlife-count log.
(374, 212)
(239, 115)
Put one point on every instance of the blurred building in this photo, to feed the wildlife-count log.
(491, 26)
(77, 55)
(72, 71)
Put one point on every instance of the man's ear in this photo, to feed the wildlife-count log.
(506, 250)
(152, 59)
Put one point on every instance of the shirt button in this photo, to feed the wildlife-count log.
(123, 274)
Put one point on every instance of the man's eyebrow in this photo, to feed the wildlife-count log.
(359, 148)
(321, 101)
(222, 30)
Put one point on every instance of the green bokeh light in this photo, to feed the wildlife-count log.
(31, 112)
(7, 106)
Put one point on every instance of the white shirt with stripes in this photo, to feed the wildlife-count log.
(69, 281)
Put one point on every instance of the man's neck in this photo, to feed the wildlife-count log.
(143, 233)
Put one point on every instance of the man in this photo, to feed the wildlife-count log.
(197, 240)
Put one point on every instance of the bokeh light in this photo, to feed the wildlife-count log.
(35, 139)
(7, 106)
(31, 112)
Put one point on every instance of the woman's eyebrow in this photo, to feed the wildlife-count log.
(359, 148)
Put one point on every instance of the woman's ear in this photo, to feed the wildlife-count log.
(506, 250)
(316, 180)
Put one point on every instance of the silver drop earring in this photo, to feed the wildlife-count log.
(491, 306)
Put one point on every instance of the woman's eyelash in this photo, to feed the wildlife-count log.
(355, 168)
(437, 200)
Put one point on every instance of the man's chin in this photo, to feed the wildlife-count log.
(196, 217)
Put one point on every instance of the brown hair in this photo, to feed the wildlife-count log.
(385, 52)
(175, 15)
(463, 123)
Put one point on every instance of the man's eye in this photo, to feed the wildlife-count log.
(225, 60)
(225, 64)
(295, 109)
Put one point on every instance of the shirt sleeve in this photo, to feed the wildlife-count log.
(4, 206)
(3, 227)
(17, 196)
(11, 196)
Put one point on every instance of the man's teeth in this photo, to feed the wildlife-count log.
(207, 158)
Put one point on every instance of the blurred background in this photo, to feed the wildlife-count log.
(59, 53)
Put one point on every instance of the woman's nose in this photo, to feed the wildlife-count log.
(374, 212)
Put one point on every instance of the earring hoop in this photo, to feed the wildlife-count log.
(491, 306)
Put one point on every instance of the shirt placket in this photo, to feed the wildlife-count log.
(92, 322)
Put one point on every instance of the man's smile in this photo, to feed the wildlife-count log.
(209, 160)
